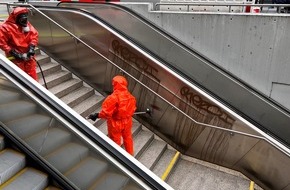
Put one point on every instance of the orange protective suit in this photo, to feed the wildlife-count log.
(118, 108)
(12, 37)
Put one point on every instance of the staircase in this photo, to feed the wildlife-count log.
(151, 151)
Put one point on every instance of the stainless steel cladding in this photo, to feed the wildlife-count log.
(182, 114)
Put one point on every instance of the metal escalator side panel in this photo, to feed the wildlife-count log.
(98, 72)
(246, 101)
(216, 130)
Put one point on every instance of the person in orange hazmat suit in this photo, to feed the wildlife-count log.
(118, 108)
(18, 39)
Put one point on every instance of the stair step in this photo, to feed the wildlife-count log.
(27, 179)
(77, 96)
(163, 162)
(103, 127)
(67, 156)
(89, 105)
(11, 162)
(87, 172)
(189, 175)
(136, 127)
(37, 51)
(110, 180)
(98, 122)
(66, 87)
(48, 68)
(56, 78)
(48, 140)
(27, 126)
(141, 142)
(42, 58)
(152, 154)
(8, 96)
(15, 110)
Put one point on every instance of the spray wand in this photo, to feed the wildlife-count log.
(148, 111)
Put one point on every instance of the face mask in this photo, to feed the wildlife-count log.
(22, 19)
(25, 29)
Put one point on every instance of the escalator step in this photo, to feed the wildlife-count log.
(132, 187)
(11, 111)
(112, 181)
(8, 96)
(27, 126)
(85, 173)
(48, 140)
(27, 179)
(67, 156)
(11, 162)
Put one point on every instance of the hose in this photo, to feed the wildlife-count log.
(41, 73)
(12, 58)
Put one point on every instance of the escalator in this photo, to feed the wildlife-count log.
(183, 115)
(74, 155)
(15, 163)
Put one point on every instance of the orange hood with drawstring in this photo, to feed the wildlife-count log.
(12, 35)
(15, 37)
(17, 11)
(120, 104)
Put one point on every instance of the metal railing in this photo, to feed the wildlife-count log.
(229, 6)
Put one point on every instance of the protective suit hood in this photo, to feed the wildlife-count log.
(119, 83)
(17, 11)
